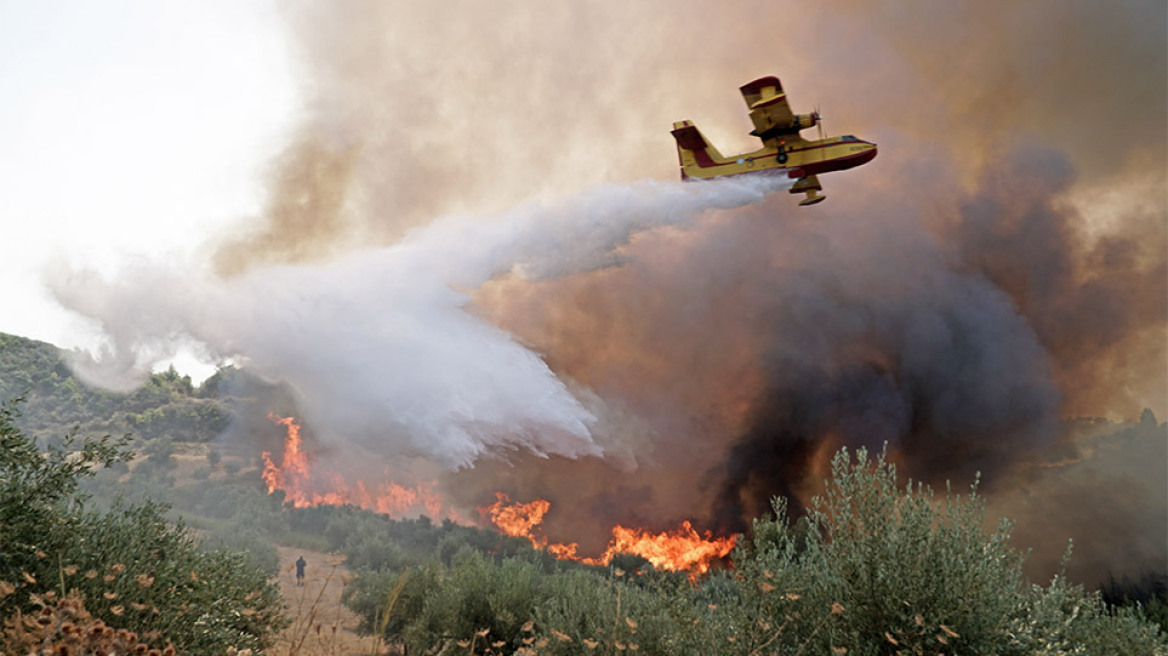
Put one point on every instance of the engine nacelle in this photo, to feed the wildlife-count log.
(804, 121)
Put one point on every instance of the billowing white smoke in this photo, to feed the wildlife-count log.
(379, 345)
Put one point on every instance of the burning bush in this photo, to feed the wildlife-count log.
(305, 486)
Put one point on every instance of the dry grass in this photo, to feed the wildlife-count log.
(321, 624)
(64, 628)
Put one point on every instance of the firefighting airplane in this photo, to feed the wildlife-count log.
(784, 151)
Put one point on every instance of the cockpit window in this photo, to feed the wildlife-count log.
(848, 137)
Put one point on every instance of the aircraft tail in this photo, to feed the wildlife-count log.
(697, 156)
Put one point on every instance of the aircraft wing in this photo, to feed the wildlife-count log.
(769, 110)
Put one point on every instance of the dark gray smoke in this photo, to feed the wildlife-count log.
(935, 363)
(1099, 305)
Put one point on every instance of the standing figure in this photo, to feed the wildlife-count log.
(300, 565)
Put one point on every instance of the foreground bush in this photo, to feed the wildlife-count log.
(917, 574)
(516, 605)
(129, 567)
(66, 627)
(912, 573)
(238, 537)
(874, 568)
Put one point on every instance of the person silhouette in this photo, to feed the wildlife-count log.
(300, 565)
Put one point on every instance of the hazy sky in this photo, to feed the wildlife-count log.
(129, 128)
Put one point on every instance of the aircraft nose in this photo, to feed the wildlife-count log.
(868, 155)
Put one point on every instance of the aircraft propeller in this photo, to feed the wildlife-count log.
(819, 121)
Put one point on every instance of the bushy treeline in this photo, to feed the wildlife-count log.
(128, 566)
(166, 405)
(874, 568)
(1149, 591)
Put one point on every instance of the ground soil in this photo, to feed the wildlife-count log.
(321, 624)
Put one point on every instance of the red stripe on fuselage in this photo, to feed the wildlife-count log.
(810, 168)
(840, 163)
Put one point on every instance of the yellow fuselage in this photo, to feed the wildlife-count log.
(796, 157)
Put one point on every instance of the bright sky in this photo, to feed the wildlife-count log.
(128, 128)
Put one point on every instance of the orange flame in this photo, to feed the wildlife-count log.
(305, 488)
(292, 472)
(681, 549)
(522, 520)
(517, 519)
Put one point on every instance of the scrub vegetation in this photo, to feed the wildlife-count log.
(874, 568)
(172, 547)
(61, 561)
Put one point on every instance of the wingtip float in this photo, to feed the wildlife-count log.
(784, 152)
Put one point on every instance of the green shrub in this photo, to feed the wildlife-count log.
(476, 596)
(386, 608)
(131, 566)
(914, 574)
(480, 605)
(1149, 591)
(240, 537)
(875, 568)
(39, 492)
(589, 612)
(1062, 619)
(374, 553)
(199, 601)
(906, 568)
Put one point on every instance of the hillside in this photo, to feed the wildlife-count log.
(56, 402)
(450, 584)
